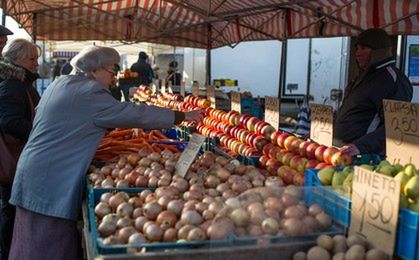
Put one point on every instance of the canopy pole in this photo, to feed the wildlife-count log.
(282, 69)
(3, 13)
(34, 26)
(209, 47)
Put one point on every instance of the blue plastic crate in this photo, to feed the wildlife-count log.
(407, 238)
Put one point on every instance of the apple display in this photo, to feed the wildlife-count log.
(341, 159)
(288, 142)
(328, 153)
(318, 154)
(281, 139)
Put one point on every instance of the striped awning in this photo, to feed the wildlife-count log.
(64, 54)
(210, 23)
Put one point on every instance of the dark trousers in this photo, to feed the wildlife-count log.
(7, 219)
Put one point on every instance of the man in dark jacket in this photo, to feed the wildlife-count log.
(359, 124)
(144, 70)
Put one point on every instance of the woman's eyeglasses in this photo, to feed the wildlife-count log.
(115, 70)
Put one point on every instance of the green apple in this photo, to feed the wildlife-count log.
(338, 179)
(325, 175)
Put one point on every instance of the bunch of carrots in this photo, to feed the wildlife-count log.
(122, 141)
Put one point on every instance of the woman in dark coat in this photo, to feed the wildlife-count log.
(18, 98)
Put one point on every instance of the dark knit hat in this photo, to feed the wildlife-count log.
(374, 38)
(5, 31)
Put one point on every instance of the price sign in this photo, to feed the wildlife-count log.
(272, 111)
(189, 154)
(402, 131)
(321, 129)
(182, 88)
(211, 95)
(195, 89)
(236, 101)
(375, 208)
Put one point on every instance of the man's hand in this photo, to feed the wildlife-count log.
(195, 115)
(350, 149)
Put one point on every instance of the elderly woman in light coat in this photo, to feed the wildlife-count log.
(72, 117)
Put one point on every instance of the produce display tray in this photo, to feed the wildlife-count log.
(407, 236)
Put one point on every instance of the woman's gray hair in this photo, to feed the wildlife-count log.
(19, 49)
(95, 57)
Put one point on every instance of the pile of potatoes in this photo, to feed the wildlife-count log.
(341, 248)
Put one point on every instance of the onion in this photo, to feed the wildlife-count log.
(124, 209)
(212, 181)
(166, 219)
(255, 230)
(184, 231)
(133, 158)
(111, 218)
(154, 156)
(175, 206)
(106, 228)
(233, 203)
(164, 200)
(239, 186)
(107, 183)
(293, 212)
(293, 226)
(196, 180)
(270, 226)
(207, 215)
(151, 210)
(289, 200)
(141, 181)
(315, 209)
(140, 170)
(111, 240)
(144, 194)
(311, 223)
(124, 222)
(212, 192)
(106, 170)
(240, 169)
(196, 234)
(152, 182)
(121, 162)
(274, 203)
(156, 166)
(208, 199)
(215, 207)
(137, 212)
(258, 216)
(105, 197)
(222, 187)
(221, 160)
(240, 231)
(123, 172)
(122, 184)
(293, 190)
(180, 184)
(102, 209)
(150, 197)
(220, 229)
(240, 217)
(272, 213)
(139, 223)
(170, 192)
(116, 200)
(324, 220)
(137, 238)
(135, 202)
(132, 177)
(191, 217)
(170, 235)
(223, 174)
(201, 206)
(229, 194)
(153, 232)
(255, 206)
(274, 181)
(170, 165)
(144, 162)
(193, 195)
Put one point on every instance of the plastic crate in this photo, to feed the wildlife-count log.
(124, 249)
(407, 238)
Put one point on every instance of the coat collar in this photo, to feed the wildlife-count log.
(11, 71)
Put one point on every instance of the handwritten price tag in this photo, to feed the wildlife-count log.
(321, 129)
(211, 95)
(272, 111)
(402, 131)
(236, 101)
(195, 89)
(182, 88)
(189, 154)
(375, 208)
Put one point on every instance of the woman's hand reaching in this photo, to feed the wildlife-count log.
(195, 115)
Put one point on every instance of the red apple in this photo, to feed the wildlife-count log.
(273, 151)
(267, 130)
(288, 141)
(310, 151)
(243, 119)
(318, 154)
(322, 165)
(328, 153)
(251, 139)
(287, 175)
(341, 159)
(311, 164)
(272, 165)
(251, 124)
(295, 144)
(298, 179)
(298, 163)
(274, 136)
(259, 143)
(258, 126)
(281, 140)
(303, 148)
(267, 148)
(286, 158)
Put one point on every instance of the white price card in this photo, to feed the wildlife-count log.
(211, 95)
(189, 154)
(321, 128)
(236, 101)
(402, 131)
(272, 111)
(375, 208)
